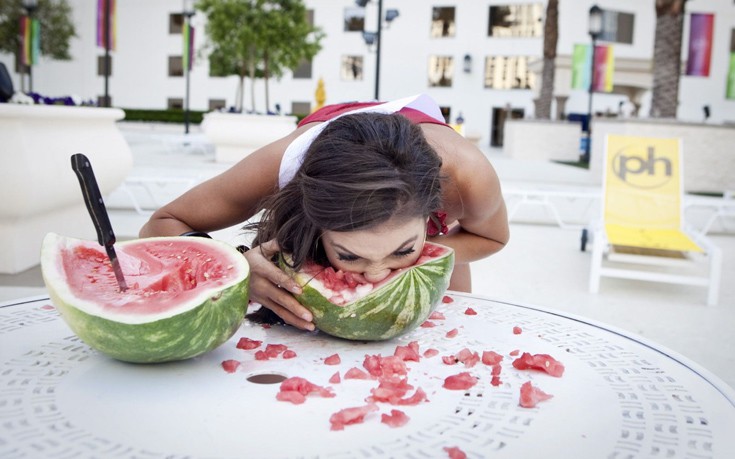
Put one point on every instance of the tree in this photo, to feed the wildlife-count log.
(551, 37)
(258, 39)
(667, 58)
(57, 28)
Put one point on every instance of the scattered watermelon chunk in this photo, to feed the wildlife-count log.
(390, 390)
(461, 381)
(452, 333)
(427, 324)
(335, 379)
(436, 315)
(295, 390)
(455, 453)
(248, 344)
(417, 397)
(515, 352)
(396, 418)
(356, 373)
(230, 366)
(274, 350)
(531, 395)
(407, 353)
(447, 299)
(542, 362)
(517, 330)
(470, 312)
(430, 352)
(491, 357)
(333, 359)
(288, 354)
(348, 416)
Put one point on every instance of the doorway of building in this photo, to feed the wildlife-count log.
(499, 115)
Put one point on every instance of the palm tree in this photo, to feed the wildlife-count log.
(667, 58)
(551, 37)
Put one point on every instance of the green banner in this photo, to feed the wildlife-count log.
(581, 66)
(731, 78)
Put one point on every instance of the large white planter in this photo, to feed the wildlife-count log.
(40, 192)
(236, 135)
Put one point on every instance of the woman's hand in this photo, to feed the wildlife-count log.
(270, 287)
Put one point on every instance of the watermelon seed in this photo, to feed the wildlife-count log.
(267, 378)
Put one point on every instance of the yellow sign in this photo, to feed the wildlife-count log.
(643, 193)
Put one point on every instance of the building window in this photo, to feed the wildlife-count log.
(442, 22)
(617, 27)
(175, 23)
(175, 103)
(217, 104)
(101, 65)
(175, 66)
(303, 70)
(351, 69)
(441, 69)
(524, 20)
(354, 19)
(300, 108)
(508, 72)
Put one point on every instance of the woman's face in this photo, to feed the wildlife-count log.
(375, 252)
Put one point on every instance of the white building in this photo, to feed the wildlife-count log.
(464, 54)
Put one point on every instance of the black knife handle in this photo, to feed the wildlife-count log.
(93, 199)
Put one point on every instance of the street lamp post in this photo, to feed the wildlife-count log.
(595, 29)
(371, 38)
(30, 6)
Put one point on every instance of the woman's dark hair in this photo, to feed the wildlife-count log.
(359, 172)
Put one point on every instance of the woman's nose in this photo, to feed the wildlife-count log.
(376, 274)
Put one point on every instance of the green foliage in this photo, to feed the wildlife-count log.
(258, 38)
(162, 116)
(57, 28)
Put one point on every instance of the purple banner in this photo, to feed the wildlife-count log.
(701, 28)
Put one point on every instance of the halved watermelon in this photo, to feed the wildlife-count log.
(185, 296)
(347, 306)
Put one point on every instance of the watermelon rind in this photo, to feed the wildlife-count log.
(200, 324)
(391, 310)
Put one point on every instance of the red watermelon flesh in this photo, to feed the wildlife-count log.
(159, 276)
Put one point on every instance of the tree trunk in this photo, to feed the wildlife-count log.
(265, 76)
(240, 93)
(667, 58)
(251, 68)
(551, 37)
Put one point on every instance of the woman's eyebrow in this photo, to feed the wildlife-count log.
(408, 241)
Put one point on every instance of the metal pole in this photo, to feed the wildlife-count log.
(377, 58)
(588, 150)
(107, 54)
(187, 67)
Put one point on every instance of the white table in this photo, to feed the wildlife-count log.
(620, 396)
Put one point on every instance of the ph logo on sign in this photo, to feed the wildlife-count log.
(642, 168)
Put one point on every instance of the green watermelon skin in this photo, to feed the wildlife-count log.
(205, 321)
(181, 337)
(390, 310)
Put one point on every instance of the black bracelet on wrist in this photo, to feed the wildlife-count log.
(242, 248)
(196, 234)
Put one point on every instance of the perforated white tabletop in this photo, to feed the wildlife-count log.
(620, 396)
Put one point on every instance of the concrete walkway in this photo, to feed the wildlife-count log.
(542, 265)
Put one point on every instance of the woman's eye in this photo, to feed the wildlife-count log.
(346, 257)
(404, 253)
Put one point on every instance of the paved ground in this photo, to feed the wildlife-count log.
(542, 265)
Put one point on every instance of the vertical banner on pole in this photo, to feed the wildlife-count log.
(581, 66)
(701, 28)
(604, 69)
(101, 24)
(730, 92)
(30, 40)
(187, 54)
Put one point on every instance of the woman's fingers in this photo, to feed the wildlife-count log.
(281, 302)
(272, 272)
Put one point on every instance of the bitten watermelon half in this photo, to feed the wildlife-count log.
(343, 304)
(185, 296)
